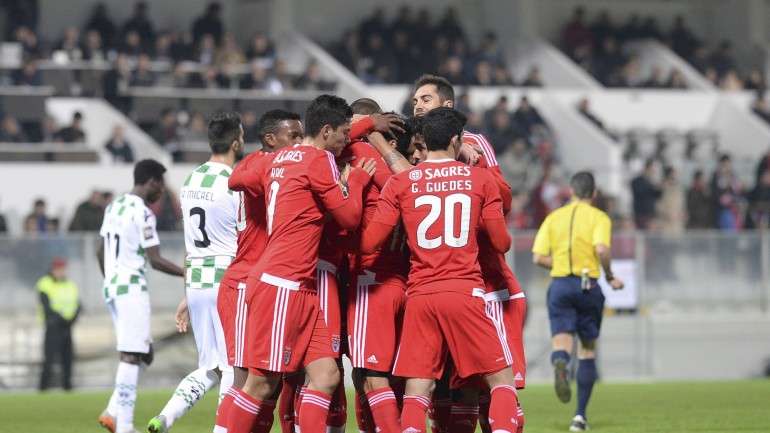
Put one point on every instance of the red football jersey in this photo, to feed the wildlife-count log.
(441, 204)
(480, 142)
(250, 221)
(299, 184)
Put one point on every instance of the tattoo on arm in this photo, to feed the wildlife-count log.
(394, 158)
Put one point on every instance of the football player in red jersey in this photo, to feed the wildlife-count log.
(443, 205)
(277, 129)
(300, 184)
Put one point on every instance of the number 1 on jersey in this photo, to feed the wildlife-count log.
(273, 195)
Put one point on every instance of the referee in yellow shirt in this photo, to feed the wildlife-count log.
(573, 242)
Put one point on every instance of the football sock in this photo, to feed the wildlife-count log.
(125, 387)
(223, 410)
(286, 404)
(484, 412)
(439, 415)
(520, 417)
(298, 395)
(189, 391)
(243, 413)
(225, 383)
(314, 411)
(384, 410)
(338, 412)
(557, 355)
(586, 377)
(413, 414)
(265, 418)
(463, 418)
(364, 417)
(503, 408)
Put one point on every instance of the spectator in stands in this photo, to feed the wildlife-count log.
(482, 75)
(29, 42)
(526, 118)
(575, 33)
(206, 50)
(168, 211)
(518, 218)
(115, 82)
(700, 213)
(632, 29)
(755, 81)
(3, 224)
(762, 166)
(650, 29)
(533, 78)
(162, 49)
(723, 59)
(726, 192)
(607, 66)
(166, 132)
(89, 214)
(229, 53)
(490, 50)
(453, 70)
(196, 130)
(74, 132)
(374, 24)
(132, 45)
(141, 24)
(656, 79)
(731, 82)
(548, 194)
(178, 77)
(142, 76)
(28, 75)
(602, 28)
(181, 47)
(38, 221)
(118, 147)
(671, 206)
(92, 48)
(500, 105)
(681, 39)
(311, 79)
(501, 132)
(70, 44)
(210, 23)
(256, 79)
(262, 50)
(382, 64)
(676, 80)
(11, 132)
(515, 162)
(282, 79)
(758, 215)
(48, 129)
(101, 23)
(347, 51)
(449, 25)
(407, 56)
(502, 76)
(699, 59)
(645, 195)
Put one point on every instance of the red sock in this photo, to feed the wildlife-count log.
(439, 415)
(314, 411)
(223, 410)
(243, 413)
(520, 418)
(503, 408)
(264, 421)
(463, 418)
(484, 412)
(384, 410)
(413, 415)
(298, 395)
(338, 411)
(286, 404)
(364, 414)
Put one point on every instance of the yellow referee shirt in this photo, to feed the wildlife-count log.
(569, 235)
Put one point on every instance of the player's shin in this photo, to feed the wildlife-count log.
(384, 410)
(338, 413)
(503, 408)
(314, 411)
(189, 391)
(243, 413)
(413, 414)
(463, 418)
(126, 379)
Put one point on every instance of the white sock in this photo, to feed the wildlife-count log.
(112, 405)
(225, 383)
(189, 391)
(125, 396)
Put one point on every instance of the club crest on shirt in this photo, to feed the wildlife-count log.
(344, 189)
(415, 175)
(286, 355)
(335, 343)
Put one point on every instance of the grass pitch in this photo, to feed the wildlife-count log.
(742, 406)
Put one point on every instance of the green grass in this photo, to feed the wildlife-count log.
(742, 406)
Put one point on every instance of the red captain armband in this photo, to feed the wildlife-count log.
(361, 129)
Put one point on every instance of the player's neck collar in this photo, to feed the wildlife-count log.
(439, 160)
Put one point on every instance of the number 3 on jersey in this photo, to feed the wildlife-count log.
(448, 204)
(273, 196)
(201, 226)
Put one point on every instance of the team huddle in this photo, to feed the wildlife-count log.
(350, 233)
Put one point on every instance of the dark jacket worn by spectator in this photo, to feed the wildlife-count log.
(89, 214)
(645, 196)
(209, 23)
(700, 210)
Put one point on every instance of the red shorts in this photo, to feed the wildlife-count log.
(452, 322)
(232, 309)
(374, 321)
(508, 317)
(329, 302)
(286, 330)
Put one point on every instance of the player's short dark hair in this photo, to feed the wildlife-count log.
(440, 125)
(583, 184)
(403, 139)
(270, 121)
(365, 106)
(326, 110)
(146, 170)
(224, 128)
(444, 88)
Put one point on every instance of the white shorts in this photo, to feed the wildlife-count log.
(207, 328)
(131, 318)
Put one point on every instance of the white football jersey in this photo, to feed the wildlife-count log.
(209, 210)
(127, 230)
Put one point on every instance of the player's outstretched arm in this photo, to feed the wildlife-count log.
(161, 264)
(396, 162)
(497, 233)
(374, 236)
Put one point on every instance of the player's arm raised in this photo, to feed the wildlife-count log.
(246, 176)
(493, 220)
(385, 218)
(392, 157)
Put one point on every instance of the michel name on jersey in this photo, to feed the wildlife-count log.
(198, 194)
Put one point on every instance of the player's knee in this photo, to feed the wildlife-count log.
(375, 380)
(326, 379)
(587, 349)
(502, 377)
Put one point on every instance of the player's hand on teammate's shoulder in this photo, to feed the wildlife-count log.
(469, 154)
(182, 316)
(388, 122)
(368, 165)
